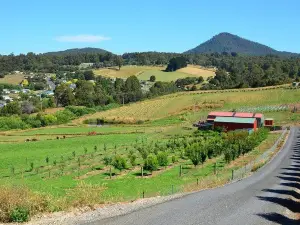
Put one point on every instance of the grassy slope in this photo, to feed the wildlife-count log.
(177, 103)
(124, 187)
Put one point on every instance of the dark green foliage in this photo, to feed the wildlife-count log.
(132, 159)
(12, 108)
(19, 215)
(80, 111)
(119, 162)
(176, 64)
(107, 160)
(238, 143)
(143, 151)
(194, 88)
(152, 78)
(173, 159)
(162, 88)
(162, 158)
(186, 81)
(64, 95)
(47, 160)
(151, 163)
(196, 153)
(89, 75)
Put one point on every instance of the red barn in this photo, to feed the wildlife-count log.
(212, 115)
(258, 116)
(235, 123)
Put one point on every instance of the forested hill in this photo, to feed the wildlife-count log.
(77, 51)
(226, 42)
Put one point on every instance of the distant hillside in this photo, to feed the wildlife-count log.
(226, 42)
(77, 50)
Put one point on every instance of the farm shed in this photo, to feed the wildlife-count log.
(212, 115)
(269, 122)
(258, 116)
(235, 123)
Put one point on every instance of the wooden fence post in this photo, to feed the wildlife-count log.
(110, 172)
(215, 168)
(180, 171)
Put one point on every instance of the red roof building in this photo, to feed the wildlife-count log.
(258, 116)
(235, 123)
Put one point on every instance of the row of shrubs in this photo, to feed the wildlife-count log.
(41, 119)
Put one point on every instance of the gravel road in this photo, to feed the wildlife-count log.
(264, 198)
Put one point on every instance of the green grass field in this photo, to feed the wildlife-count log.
(144, 72)
(57, 166)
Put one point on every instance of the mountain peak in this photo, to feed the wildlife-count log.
(227, 42)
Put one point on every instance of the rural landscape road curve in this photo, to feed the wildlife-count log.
(263, 198)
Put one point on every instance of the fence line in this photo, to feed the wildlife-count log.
(242, 172)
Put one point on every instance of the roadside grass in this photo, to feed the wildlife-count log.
(12, 79)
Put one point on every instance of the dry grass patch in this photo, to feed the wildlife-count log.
(197, 71)
(12, 79)
(18, 197)
(126, 71)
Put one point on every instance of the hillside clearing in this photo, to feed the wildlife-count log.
(126, 71)
(144, 72)
(12, 79)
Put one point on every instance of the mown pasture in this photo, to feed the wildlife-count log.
(144, 72)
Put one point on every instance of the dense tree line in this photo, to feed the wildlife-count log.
(234, 70)
(105, 91)
(176, 64)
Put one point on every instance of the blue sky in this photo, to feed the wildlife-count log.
(136, 25)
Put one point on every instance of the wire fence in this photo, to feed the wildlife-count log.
(258, 162)
(216, 177)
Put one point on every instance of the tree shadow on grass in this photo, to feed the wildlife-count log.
(278, 218)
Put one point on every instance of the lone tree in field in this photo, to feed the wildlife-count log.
(151, 163)
(152, 78)
(119, 61)
(107, 160)
(162, 158)
(119, 162)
